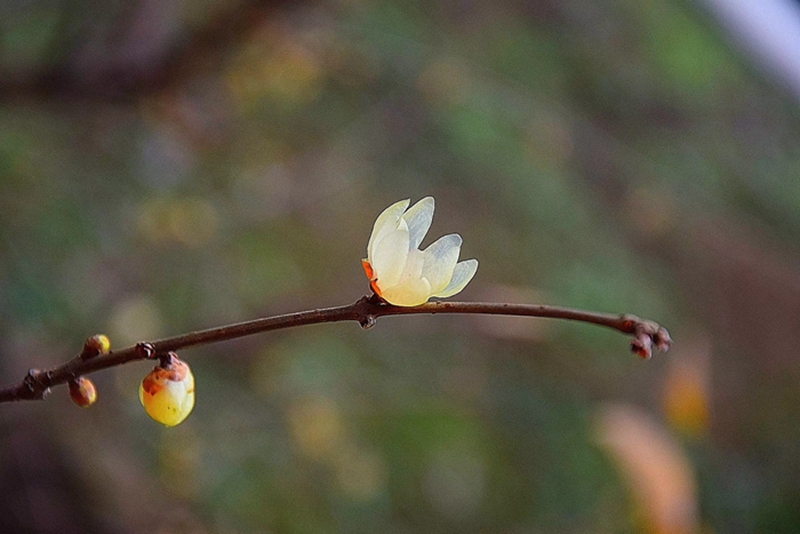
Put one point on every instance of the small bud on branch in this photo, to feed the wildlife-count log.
(95, 346)
(82, 391)
(167, 392)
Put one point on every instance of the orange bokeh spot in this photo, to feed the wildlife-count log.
(685, 402)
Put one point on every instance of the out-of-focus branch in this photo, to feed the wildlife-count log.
(135, 66)
(37, 383)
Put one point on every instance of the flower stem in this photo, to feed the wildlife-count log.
(366, 310)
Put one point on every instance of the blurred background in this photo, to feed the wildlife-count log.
(167, 166)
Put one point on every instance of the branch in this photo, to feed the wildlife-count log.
(37, 383)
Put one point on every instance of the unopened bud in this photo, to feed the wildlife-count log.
(642, 345)
(167, 392)
(82, 391)
(145, 350)
(95, 346)
(663, 341)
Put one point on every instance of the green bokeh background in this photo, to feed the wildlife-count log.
(169, 166)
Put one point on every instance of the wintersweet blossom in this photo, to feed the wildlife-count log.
(167, 392)
(402, 274)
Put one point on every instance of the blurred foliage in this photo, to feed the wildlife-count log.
(169, 166)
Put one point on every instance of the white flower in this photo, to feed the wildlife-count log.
(402, 274)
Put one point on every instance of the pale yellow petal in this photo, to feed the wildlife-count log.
(386, 222)
(462, 274)
(440, 261)
(419, 218)
(414, 264)
(389, 258)
(412, 292)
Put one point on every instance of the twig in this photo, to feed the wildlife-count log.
(37, 383)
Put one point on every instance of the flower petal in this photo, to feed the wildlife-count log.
(440, 260)
(386, 222)
(419, 218)
(414, 264)
(412, 292)
(389, 257)
(462, 274)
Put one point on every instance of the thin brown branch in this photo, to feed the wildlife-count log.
(37, 383)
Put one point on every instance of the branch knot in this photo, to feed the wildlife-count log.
(37, 384)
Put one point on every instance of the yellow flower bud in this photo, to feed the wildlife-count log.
(82, 392)
(95, 346)
(167, 392)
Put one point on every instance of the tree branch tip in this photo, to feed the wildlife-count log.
(648, 335)
(662, 339)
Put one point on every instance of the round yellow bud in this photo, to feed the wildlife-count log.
(82, 392)
(167, 393)
(95, 346)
